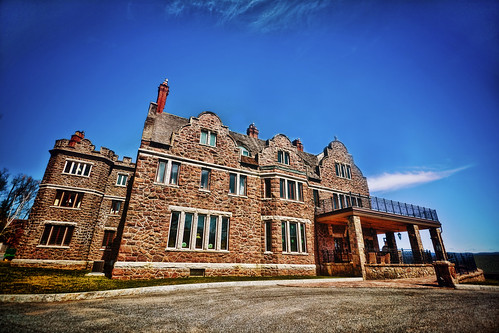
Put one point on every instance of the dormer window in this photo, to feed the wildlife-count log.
(283, 157)
(208, 138)
(244, 151)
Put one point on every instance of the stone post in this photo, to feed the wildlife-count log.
(392, 247)
(357, 245)
(438, 244)
(416, 244)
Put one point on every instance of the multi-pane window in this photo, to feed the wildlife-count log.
(290, 189)
(341, 201)
(237, 184)
(205, 179)
(68, 199)
(107, 241)
(268, 236)
(167, 172)
(121, 180)
(208, 138)
(196, 231)
(77, 168)
(115, 206)
(293, 237)
(57, 235)
(343, 170)
(283, 157)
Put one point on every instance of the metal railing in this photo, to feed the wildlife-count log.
(464, 262)
(377, 204)
(400, 208)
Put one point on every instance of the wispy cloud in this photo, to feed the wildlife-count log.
(394, 181)
(261, 15)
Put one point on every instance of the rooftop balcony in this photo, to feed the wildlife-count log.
(376, 204)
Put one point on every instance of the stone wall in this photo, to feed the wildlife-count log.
(98, 188)
(333, 269)
(398, 271)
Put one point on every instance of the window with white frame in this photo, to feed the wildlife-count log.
(57, 234)
(198, 231)
(237, 184)
(77, 168)
(283, 157)
(343, 170)
(293, 237)
(68, 199)
(168, 172)
(244, 151)
(205, 179)
(115, 207)
(121, 180)
(208, 138)
(290, 189)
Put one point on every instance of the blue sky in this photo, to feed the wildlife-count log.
(410, 87)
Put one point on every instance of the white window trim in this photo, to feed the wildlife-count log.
(209, 133)
(168, 173)
(118, 178)
(299, 238)
(346, 167)
(85, 163)
(286, 193)
(238, 185)
(194, 226)
(284, 154)
(207, 188)
(242, 150)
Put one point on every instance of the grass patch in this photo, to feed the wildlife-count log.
(21, 280)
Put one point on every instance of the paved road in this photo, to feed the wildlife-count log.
(266, 309)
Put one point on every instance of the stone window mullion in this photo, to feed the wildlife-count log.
(180, 230)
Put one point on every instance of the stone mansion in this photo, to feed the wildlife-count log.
(204, 200)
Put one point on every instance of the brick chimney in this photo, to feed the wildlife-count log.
(252, 131)
(297, 143)
(75, 138)
(163, 91)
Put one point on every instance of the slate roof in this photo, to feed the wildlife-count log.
(165, 124)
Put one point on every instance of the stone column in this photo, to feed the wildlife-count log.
(392, 247)
(357, 245)
(375, 240)
(416, 244)
(438, 244)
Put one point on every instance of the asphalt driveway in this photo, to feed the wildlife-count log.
(266, 309)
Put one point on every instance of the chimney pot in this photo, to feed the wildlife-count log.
(163, 91)
(297, 143)
(252, 131)
(75, 138)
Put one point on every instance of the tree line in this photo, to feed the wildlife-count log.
(17, 194)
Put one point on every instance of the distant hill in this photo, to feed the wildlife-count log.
(488, 262)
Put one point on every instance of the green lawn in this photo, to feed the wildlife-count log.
(19, 280)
